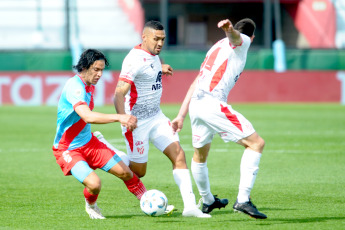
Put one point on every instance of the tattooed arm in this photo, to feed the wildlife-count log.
(119, 98)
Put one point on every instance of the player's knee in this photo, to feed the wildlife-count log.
(260, 144)
(138, 168)
(125, 175)
(94, 186)
(140, 174)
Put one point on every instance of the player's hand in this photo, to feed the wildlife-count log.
(129, 121)
(167, 69)
(177, 124)
(226, 25)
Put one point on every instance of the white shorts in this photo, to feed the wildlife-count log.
(210, 116)
(156, 129)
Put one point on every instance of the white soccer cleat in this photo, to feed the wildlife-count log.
(98, 134)
(169, 210)
(94, 211)
(195, 213)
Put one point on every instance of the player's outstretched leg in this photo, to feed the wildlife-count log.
(249, 208)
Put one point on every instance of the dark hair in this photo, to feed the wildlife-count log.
(88, 57)
(154, 25)
(246, 26)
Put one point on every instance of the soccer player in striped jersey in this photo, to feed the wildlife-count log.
(138, 92)
(210, 114)
(76, 149)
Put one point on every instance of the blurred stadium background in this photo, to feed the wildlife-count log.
(298, 54)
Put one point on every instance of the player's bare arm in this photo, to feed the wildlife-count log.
(167, 69)
(101, 118)
(177, 123)
(121, 90)
(129, 121)
(233, 35)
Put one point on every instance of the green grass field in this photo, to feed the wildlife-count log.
(300, 185)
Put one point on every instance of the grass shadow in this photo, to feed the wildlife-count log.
(306, 220)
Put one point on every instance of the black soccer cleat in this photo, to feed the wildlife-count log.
(218, 203)
(250, 209)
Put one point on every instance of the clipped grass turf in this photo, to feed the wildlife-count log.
(300, 184)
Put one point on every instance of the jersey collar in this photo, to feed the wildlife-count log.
(88, 88)
(139, 48)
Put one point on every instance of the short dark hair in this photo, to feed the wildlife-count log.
(246, 26)
(88, 57)
(156, 25)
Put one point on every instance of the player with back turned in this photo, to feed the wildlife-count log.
(210, 114)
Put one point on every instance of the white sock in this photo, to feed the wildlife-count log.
(200, 175)
(121, 154)
(184, 182)
(249, 169)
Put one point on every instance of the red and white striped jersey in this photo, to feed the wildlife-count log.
(143, 71)
(221, 68)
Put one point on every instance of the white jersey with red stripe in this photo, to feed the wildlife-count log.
(221, 68)
(143, 71)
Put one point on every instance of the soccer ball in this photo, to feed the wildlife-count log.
(153, 203)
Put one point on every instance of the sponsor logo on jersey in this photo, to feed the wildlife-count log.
(158, 84)
(236, 78)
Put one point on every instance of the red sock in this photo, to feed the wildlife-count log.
(135, 186)
(90, 198)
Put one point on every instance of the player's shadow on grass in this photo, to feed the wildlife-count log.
(276, 209)
(175, 214)
(221, 212)
(306, 220)
(122, 216)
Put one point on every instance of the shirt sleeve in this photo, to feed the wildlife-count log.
(76, 95)
(129, 70)
(244, 45)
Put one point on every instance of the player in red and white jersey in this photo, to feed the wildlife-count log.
(210, 114)
(138, 93)
(222, 67)
(143, 71)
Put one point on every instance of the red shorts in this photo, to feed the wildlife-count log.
(95, 153)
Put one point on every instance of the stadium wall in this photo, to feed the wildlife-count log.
(43, 88)
(180, 60)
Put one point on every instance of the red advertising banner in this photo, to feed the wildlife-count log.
(44, 88)
(266, 86)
